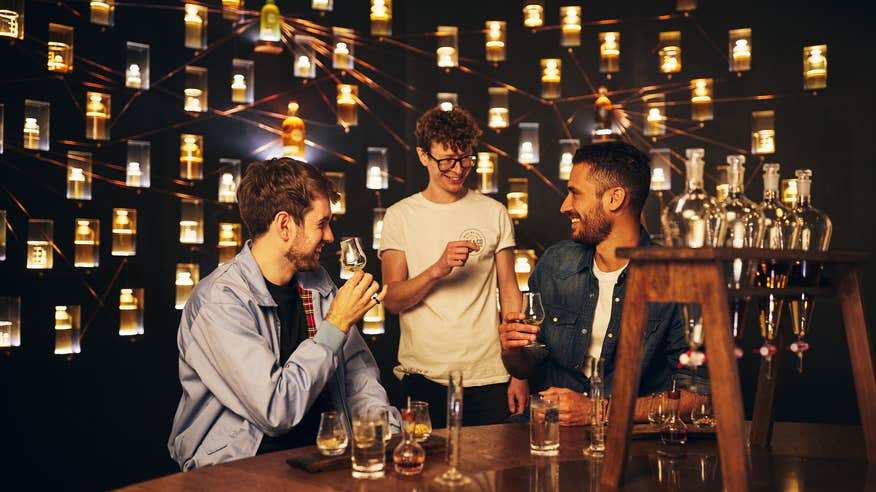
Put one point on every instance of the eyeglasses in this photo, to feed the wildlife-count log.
(448, 163)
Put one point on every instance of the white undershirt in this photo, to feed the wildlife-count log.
(604, 302)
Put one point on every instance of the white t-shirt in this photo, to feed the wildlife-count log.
(455, 326)
(604, 302)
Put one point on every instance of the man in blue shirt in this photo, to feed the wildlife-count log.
(582, 283)
(266, 341)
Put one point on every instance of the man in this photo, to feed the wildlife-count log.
(444, 252)
(266, 341)
(582, 283)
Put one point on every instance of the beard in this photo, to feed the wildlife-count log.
(304, 260)
(594, 229)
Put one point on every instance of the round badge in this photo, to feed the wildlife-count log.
(474, 236)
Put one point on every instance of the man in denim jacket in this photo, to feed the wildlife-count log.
(582, 283)
(266, 341)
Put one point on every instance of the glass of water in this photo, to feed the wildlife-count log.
(544, 425)
(369, 448)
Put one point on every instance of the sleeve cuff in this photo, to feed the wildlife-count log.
(331, 336)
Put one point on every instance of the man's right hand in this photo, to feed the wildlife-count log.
(353, 300)
(455, 255)
(513, 334)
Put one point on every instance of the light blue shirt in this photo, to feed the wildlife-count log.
(235, 388)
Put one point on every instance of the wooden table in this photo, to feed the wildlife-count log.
(803, 457)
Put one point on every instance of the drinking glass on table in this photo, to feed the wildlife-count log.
(369, 448)
(533, 312)
(657, 408)
(332, 437)
(422, 421)
(544, 425)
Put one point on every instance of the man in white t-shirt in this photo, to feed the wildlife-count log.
(583, 283)
(445, 251)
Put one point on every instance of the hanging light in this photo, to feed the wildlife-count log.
(36, 124)
(293, 134)
(377, 227)
(495, 42)
(815, 67)
(524, 262)
(78, 175)
(305, 59)
(602, 114)
(685, 5)
(60, 47)
(448, 47)
(191, 221)
(124, 232)
(103, 12)
(338, 207)
(10, 322)
(670, 52)
(533, 13)
(40, 246)
(567, 154)
(348, 114)
(528, 151)
(518, 198)
(187, 276)
(230, 241)
(12, 19)
(381, 17)
(231, 9)
(137, 63)
(372, 322)
(488, 172)
(229, 179)
(86, 243)
(242, 75)
(195, 91)
(654, 115)
(701, 107)
(377, 176)
(740, 49)
(447, 100)
(196, 26)
(67, 330)
(609, 52)
(342, 58)
(498, 116)
(323, 5)
(571, 26)
(551, 73)
(763, 132)
(97, 115)
(191, 156)
(131, 305)
(661, 172)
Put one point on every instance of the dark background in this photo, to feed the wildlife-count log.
(101, 419)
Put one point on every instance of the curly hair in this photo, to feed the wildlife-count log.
(267, 187)
(455, 128)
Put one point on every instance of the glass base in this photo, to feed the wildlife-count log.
(594, 452)
(452, 478)
(544, 451)
(332, 452)
(370, 475)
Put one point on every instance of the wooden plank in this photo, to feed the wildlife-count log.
(860, 353)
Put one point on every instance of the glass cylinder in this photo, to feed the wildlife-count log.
(294, 132)
(655, 105)
(12, 19)
(372, 322)
(137, 173)
(740, 49)
(97, 115)
(103, 12)
(448, 47)
(377, 227)
(343, 57)
(40, 252)
(242, 81)
(524, 262)
(305, 60)
(815, 67)
(191, 156)
(230, 241)
(551, 74)
(528, 150)
(452, 477)
(348, 114)
(137, 66)
(571, 26)
(78, 175)
(323, 5)
(196, 26)
(381, 17)
(763, 132)
(670, 52)
(661, 171)
(487, 171)
(609, 52)
(498, 116)
(191, 221)
(229, 179)
(447, 100)
(338, 207)
(187, 276)
(378, 169)
(567, 153)
(124, 232)
(701, 107)
(3, 227)
(602, 110)
(495, 42)
(10, 322)
(86, 243)
(67, 330)
(693, 219)
(533, 13)
(36, 124)
(518, 198)
(195, 91)
(131, 305)
(60, 46)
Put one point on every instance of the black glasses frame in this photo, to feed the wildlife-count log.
(449, 163)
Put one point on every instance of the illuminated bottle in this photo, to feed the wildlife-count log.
(293, 134)
(269, 24)
(602, 113)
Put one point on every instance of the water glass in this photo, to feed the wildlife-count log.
(332, 437)
(544, 425)
(657, 408)
(701, 416)
(369, 448)
(383, 413)
(422, 421)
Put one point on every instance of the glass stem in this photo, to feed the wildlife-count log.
(800, 362)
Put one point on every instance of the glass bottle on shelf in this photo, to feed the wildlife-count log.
(781, 230)
(815, 232)
(408, 457)
(673, 430)
(743, 228)
(293, 133)
(693, 219)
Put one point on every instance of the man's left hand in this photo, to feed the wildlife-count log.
(574, 407)
(518, 395)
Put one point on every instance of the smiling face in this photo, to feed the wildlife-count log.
(451, 182)
(590, 223)
(309, 237)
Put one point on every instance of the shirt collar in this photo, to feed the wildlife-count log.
(586, 253)
(316, 280)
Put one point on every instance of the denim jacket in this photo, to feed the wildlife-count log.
(235, 388)
(569, 291)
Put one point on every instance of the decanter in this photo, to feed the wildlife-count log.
(408, 457)
(673, 430)
(692, 219)
(815, 232)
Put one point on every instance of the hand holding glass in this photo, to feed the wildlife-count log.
(353, 257)
(533, 313)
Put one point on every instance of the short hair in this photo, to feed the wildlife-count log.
(280, 184)
(618, 164)
(456, 128)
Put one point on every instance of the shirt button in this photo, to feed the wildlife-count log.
(611, 335)
(554, 319)
(584, 331)
(591, 295)
(617, 299)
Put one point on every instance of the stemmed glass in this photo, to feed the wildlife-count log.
(533, 312)
(352, 255)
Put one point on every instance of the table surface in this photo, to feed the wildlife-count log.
(496, 458)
